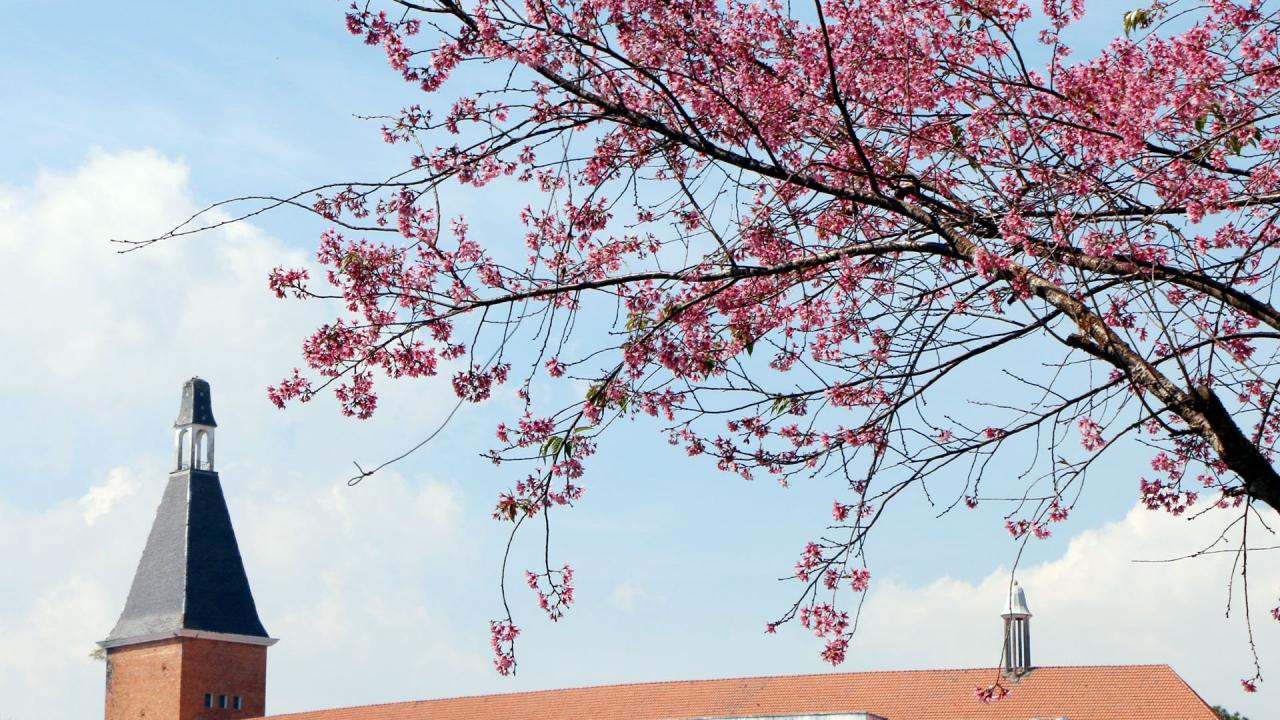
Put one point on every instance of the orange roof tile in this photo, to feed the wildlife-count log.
(1102, 692)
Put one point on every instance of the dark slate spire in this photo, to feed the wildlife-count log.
(191, 578)
(197, 404)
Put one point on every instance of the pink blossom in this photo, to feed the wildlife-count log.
(502, 638)
(1090, 434)
(282, 281)
(809, 560)
(991, 693)
(1019, 528)
(554, 368)
(859, 579)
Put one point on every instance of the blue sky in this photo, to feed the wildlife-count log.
(121, 121)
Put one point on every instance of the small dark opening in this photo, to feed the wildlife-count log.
(222, 701)
(236, 702)
(208, 699)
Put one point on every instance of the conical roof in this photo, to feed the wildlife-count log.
(191, 576)
(1017, 604)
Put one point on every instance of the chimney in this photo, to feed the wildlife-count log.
(1017, 633)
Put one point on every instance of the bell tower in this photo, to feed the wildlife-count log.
(193, 430)
(189, 644)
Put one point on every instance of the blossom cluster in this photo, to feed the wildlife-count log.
(558, 595)
(806, 232)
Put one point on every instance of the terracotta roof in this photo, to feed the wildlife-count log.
(1096, 692)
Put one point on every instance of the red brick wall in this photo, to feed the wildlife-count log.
(223, 668)
(144, 681)
(168, 679)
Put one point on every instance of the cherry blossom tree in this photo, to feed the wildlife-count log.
(814, 240)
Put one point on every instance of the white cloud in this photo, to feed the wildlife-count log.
(437, 505)
(64, 572)
(624, 596)
(100, 499)
(105, 338)
(352, 578)
(104, 342)
(341, 576)
(1096, 605)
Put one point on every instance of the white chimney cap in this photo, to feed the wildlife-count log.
(1017, 605)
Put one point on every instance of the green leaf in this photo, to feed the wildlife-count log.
(595, 395)
(637, 321)
(1135, 19)
(551, 446)
(780, 405)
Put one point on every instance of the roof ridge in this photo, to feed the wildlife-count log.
(606, 686)
(1187, 685)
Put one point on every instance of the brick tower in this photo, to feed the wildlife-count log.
(189, 644)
